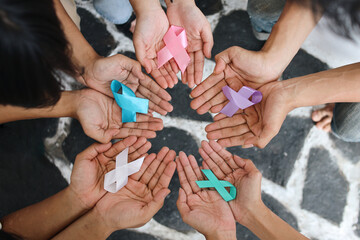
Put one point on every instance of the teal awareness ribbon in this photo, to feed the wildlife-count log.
(213, 182)
(129, 103)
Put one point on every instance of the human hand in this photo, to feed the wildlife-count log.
(151, 26)
(91, 164)
(127, 71)
(242, 173)
(202, 209)
(100, 118)
(199, 36)
(143, 196)
(255, 125)
(253, 66)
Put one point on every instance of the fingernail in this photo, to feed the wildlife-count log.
(247, 146)
(190, 96)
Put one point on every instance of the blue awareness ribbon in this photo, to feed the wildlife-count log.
(129, 103)
(219, 185)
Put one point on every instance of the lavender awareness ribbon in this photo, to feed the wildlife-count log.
(240, 99)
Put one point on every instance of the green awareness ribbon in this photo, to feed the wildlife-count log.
(129, 103)
(213, 182)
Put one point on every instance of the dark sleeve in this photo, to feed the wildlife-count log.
(6, 236)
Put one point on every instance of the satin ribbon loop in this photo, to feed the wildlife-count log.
(118, 177)
(129, 103)
(213, 182)
(240, 100)
(175, 47)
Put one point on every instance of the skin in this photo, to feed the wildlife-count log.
(199, 36)
(133, 205)
(247, 208)
(50, 216)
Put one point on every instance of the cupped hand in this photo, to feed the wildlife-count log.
(100, 118)
(143, 196)
(242, 173)
(87, 177)
(253, 66)
(202, 209)
(151, 26)
(127, 71)
(199, 36)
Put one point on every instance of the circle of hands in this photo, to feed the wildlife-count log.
(143, 196)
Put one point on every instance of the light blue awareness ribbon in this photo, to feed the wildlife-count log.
(129, 103)
(213, 182)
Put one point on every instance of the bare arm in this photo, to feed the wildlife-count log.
(65, 107)
(46, 218)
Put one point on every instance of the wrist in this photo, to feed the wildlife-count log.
(222, 235)
(253, 215)
(142, 7)
(100, 225)
(75, 201)
(179, 3)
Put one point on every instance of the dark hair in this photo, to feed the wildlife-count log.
(33, 48)
(344, 15)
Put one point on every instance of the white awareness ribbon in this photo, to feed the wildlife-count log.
(118, 177)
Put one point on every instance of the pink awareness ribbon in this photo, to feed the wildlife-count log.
(240, 99)
(175, 44)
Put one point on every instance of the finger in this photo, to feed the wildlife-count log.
(190, 71)
(93, 151)
(204, 100)
(183, 78)
(325, 121)
(148, 83)
(170, 157)
(222, 59)
(154, 126)
(225, 122)
(199, 67)
(213, 102)
(181, 204)
(159, 105)
(195, 167)
(159, 78)
(207, 84)
(236, 140)
(327, 128)
(147, 161)
(140, 52)
(165, 177)
(208, 163)
(153, 167)
(189, 172)
(228, 132)
(226, 155)
(239, 161)
(208, 41)
(171, 73)
(167, 76)
(154, 206)
(268, 133)
(103, 136)
(174, 66)
(139, 148)
(120, 146)
(182, 177)
(217, 159)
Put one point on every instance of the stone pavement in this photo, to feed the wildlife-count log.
(310, 178)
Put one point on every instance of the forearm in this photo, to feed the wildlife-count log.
(46, 218)
(336, 85)
(90, 226)
(142, 7)
(65, 107)
(268, 226)
(294, 25)
(83, 55)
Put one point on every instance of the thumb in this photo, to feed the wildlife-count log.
(181, 203)
(154, 206)
(268, 133)
(107, 135)
(140, 53)
(208, 41)
(94, 150)
(221, 59)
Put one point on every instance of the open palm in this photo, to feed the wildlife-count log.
(91, 165)
(137, 202)
(205, 210)
(100, 118)
(199, 36)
